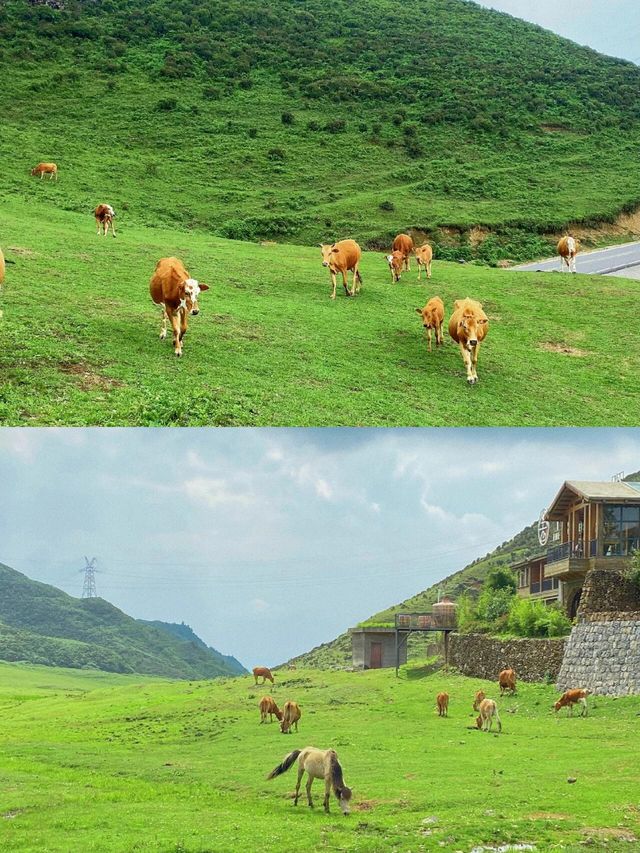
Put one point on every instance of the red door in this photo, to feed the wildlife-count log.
(376, 656)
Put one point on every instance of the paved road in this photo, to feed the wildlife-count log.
(602, 262)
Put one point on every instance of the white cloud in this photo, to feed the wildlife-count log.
(215, 492)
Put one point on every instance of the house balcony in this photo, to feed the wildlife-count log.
(572, 560)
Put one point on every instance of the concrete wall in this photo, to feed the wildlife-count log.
(361, 640)
(483, 657)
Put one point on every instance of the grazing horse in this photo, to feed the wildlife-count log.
(268, 706)
(264, 673)
(319, 764)
(488, 710)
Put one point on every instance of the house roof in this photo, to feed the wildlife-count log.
(609, 492)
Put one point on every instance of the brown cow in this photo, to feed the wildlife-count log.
(264, 673)
(172, 287)
(569, 698)
(507, 681)
(468, 327)
(268, 706)
(488, 710)
(433, 318)
(104, 215)
(424, 256)
(568, 249)
(442, 701)
(291, 713)
(340, 258)
(395, 261)
(43, 169)
(403, 243)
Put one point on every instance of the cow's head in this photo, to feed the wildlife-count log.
(557, 705)
(34, 171)
(343, 795)
(470, 328)
(329, 250)
(429, 320)
(189, 292)
(395, 264)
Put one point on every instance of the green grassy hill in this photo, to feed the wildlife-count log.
(305, 122)
(128, 764)
(42, 624)
(337, 653)
(186, 633)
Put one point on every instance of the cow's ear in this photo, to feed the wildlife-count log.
(321, 245)
(335, 249)
(482, 322)
(203, 286)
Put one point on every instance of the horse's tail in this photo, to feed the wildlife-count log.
(285, 765)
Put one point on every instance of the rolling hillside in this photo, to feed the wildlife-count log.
(41, 624)
(301, 122)
(337, 653)
(186, 633)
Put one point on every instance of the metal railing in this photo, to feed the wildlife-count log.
(425, 621)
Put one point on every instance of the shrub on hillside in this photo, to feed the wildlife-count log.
(277, 154)
(528, 618)
(337, 125)
(287, 117)
(387, 205)
(166, 105)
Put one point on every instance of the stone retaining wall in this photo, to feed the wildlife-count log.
(607, 591)
(483, 657)
(603, 656)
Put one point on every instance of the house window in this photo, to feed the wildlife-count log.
(620, 530)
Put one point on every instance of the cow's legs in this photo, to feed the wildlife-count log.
(439, 338)
(106, 227)
(429, 269)
(184, 318)
(163, 331)
(345, 284)
(333, 282)
(429, 336)
(355, 285)
(419, 267)
(474, 361)
(177, 337)
(466, 357)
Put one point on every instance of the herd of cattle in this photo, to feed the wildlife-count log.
(172, 288)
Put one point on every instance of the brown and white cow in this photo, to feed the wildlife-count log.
(291, 713)
(488, 712)
(404, 244)
(395, 261)
(264, 673)
(105, 215)
(43, 169)
(424, 256)
(341, 257)
(507, 681)
(468, 326)
(568, 249)
(433, 318)
(442, 701)
(172, 287)
(268, 706)
(571, 697)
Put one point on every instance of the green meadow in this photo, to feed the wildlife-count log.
(98, 762)
(81, 347)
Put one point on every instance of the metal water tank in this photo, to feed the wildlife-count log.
(444, 613)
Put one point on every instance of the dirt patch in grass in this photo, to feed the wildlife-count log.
(88, 379)
(609, 834)
(548, 816)
(12, 814)
(20, 250)
(365, 805)
(562, 349)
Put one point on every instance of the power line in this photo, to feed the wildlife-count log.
(89, 583)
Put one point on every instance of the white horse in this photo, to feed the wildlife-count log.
(318, 764)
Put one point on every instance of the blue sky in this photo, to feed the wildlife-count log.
(291, 535)
(608, 26)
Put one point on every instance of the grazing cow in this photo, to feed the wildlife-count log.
(424, 256)
(318, 764)
(568, 249)
(468, 327)
(104, 215)
(43, 169)
(268, 706)
(569, 698)
(507, 681)
(488, 710)
(340, 258)
(433, 318)
(291, 713)
(404, 244)
(480, 695)
(442, 700)
(2, 267)
(172, 287)
(395, 261)
(264, 673)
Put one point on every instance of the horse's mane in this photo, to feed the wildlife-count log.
(336, 773)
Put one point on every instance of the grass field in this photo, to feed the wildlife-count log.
(80, 337)
(118, 764)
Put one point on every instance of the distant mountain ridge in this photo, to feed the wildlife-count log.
(185, 632)
(42, 624)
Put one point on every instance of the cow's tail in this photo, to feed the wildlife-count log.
(284, 765)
